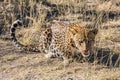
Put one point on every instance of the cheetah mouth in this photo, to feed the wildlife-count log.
(86, 53)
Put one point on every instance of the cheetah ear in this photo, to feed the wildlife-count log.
(95, 31)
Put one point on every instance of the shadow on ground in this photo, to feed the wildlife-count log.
(105, 57)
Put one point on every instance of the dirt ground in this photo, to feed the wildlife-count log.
(17, 65)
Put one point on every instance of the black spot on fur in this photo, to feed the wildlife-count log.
(49, 35)
(19, 23)
(12, 29)
(14, 39)
(13, 34)
(15, 25)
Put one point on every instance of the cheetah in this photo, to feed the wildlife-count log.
(61, 40)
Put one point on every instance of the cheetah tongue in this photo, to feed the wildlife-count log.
(86, 53)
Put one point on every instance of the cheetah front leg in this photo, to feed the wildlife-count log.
(55, 53)
(51, 54)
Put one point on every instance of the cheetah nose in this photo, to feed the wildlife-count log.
(85, 51)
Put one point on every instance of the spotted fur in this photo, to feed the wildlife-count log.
(61, 40)
(72, 41)
(14, 39)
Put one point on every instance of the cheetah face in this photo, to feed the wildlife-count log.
(84, 40)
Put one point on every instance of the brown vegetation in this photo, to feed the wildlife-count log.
(36, 14)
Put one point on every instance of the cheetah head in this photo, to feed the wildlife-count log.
(84, 39)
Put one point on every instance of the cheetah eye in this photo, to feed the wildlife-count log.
(90, 41)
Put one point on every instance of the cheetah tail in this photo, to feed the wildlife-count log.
(12, 32)
(14, 39)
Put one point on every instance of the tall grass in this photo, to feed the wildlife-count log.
(101, 14)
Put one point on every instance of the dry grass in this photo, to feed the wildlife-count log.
(15, 65)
